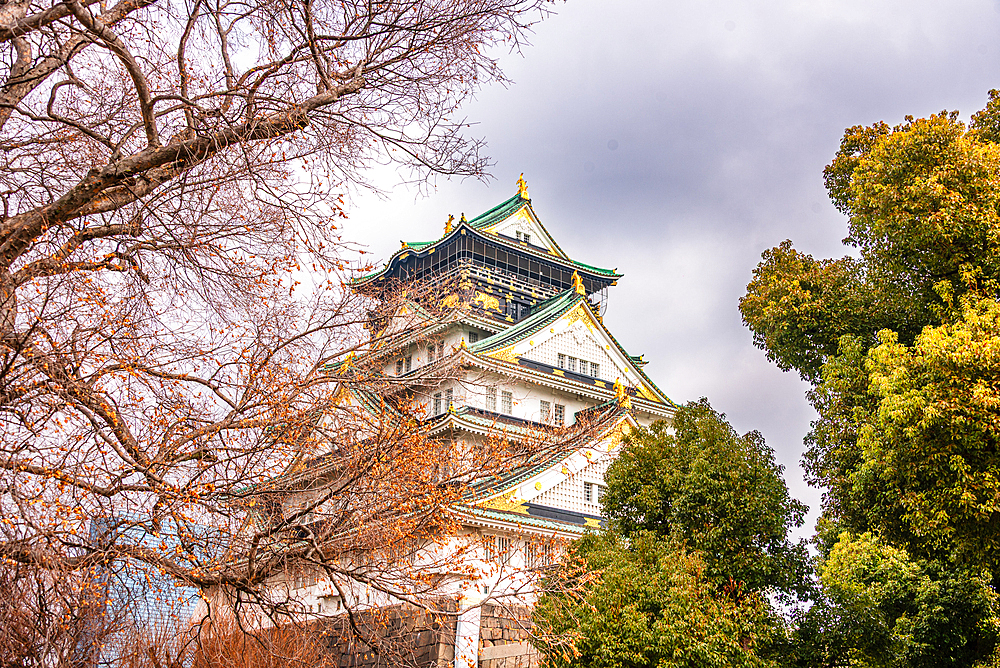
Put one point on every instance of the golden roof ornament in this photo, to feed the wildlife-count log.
(621, 395)
(403, 244)
(522, 186)
(447, 225)
(462, 219)
(578, 284)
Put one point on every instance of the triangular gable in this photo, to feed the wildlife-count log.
(566, 325)
(410, 322)
(514, 219)
(544, 486)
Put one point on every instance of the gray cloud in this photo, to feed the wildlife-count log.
(677, 141)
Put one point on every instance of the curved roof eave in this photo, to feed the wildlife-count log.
(423, 248)
(556, 307)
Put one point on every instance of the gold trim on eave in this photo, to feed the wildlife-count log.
(509, 504)
(505, 355)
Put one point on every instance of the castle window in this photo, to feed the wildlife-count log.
(409, 363)
(588, 492)
(473, 337)
(545, 411)
(562, 361)
(499, 549)
(560, 415)
(506, 402)
(527, 238)
(448, 397)
(571, 366)
(399, 367)
(595, 369)
(601, 489)
(430, 353)
(538, 555)
(491, 399)
(437, 404)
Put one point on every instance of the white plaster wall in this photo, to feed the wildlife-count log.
(577, 342)
(568, 495)
(525, 398)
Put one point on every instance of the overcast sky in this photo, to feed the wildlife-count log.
(678, 140)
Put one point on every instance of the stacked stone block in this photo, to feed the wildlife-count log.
(504, 635)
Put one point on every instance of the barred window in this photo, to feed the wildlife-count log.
(572, 364)
(545, 411)
(527, 238)
(409, 363)
(430, 353)
(588, 492)
(473, 337)
(447, 398)
(560, 415)
(562, 361)
(437, 404)
(537, 555)
(399, 367)
(506, 402)
(499, 549)
(491, 399)
(601, 489)
(595, 369)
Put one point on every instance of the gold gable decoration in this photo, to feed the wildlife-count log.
(505, 355)
(578, 284)
(506, 503)
(522, 187)
(621, 395)
(582, 314)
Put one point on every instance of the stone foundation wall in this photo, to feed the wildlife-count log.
(504, 634)
(398, 636)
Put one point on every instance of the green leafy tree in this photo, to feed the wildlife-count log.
(905, 440)
(885, 609)
(901, 342)
(646, 602)
(701, 484)
(932, 445)
(696, 543)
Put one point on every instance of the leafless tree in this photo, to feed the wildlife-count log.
(172, 286)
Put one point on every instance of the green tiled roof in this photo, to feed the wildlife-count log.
(547, 312)
(499, 212)
(606, 414)
(526, 520)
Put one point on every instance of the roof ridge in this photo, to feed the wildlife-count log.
(556, 306)
(499, 206)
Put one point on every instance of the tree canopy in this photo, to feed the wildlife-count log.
(897, 341)
(696, 543)
(651, 603)
(698, 483)
(177, 328)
